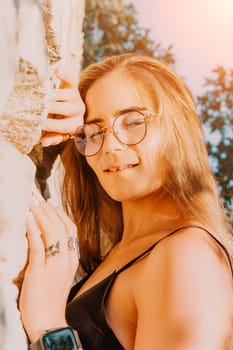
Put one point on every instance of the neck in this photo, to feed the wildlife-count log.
(149, 215)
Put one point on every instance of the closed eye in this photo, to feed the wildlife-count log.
(95, 135)
(135, 122)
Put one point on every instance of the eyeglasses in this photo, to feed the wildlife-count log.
(129, 128)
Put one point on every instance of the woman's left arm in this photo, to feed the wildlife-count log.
(185, 297)
(53, 261)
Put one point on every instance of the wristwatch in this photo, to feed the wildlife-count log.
(58, 339)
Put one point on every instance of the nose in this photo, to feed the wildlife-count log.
(111, 142)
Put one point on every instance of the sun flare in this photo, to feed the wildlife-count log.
(221, 6)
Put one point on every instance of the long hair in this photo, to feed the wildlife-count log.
(187, 176)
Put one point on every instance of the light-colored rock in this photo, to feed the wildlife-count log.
(35, 36)
(16, 183)
(24, 108)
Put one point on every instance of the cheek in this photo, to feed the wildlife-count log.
(152, 167)
(150, 154)
(150, 148)
(92, 162)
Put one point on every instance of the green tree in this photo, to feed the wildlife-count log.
(216, 110)
(111, 27)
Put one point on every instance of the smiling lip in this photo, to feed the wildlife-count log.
(116, 168)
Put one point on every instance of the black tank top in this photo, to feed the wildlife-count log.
(86, 313)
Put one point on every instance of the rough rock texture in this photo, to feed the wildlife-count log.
(35, 35)
(24, 109)
(63, 32)
(16, 183)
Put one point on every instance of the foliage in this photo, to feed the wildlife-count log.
(111, 27)
(216, 110)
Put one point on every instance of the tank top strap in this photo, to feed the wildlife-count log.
(131, 262)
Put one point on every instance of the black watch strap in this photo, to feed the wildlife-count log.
(36, 346)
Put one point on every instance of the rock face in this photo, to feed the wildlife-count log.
(16, 183)
(35, 35)
(23, 109)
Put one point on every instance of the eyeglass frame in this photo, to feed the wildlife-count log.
(146, 113)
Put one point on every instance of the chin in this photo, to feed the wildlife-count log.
(124, 197)
(118, 196)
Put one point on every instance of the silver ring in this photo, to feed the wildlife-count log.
(72, 243)
(53, 249)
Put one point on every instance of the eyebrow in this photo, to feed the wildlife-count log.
(115, 114)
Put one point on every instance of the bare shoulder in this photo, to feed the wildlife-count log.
(188, 281)
(193, 248)
(192, 255)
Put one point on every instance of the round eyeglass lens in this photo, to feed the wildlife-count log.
(89, 139)
(130, 127)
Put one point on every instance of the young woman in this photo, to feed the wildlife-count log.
(155, 248)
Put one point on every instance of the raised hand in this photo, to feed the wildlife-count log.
(53, 261)
(66, 110)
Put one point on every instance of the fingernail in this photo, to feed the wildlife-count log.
(34, 201)
(46, 143)
(60, 70)
(37, 199)
(52, 141)
(30, 217)
(38, 195)
(51, 201)
(52, 95)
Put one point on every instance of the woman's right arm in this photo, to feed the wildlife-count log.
(68, 105)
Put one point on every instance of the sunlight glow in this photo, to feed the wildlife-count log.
(220, 7)
(200, 30)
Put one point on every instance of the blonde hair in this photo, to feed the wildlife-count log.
(187, 175)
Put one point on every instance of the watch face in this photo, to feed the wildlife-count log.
(61, 339)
